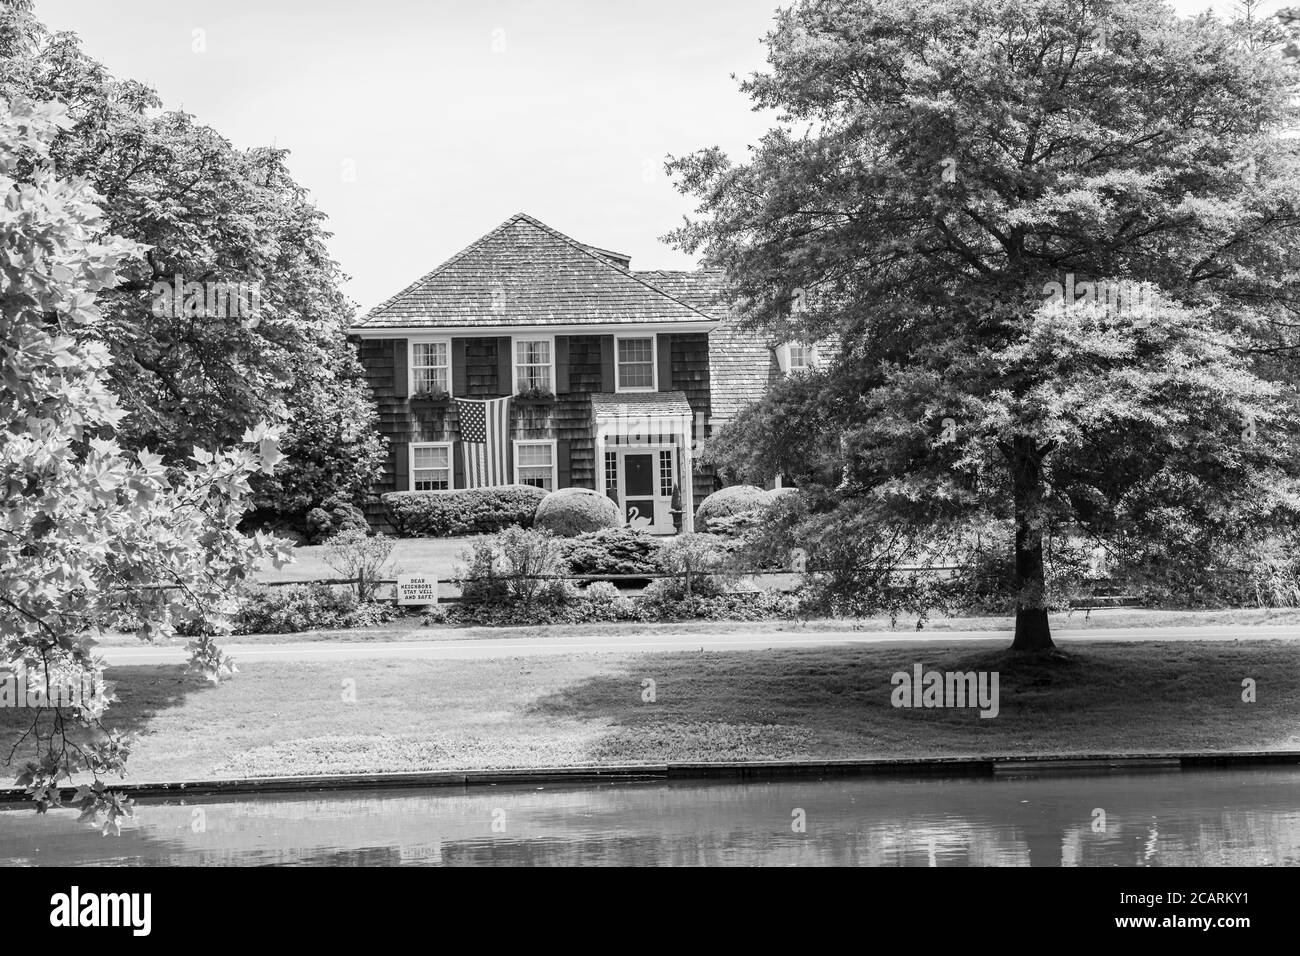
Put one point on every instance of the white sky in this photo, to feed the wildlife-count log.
(415, 136)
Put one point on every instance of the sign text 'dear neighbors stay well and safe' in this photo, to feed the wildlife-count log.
(417, 589)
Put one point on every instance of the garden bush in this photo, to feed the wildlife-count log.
(465, 511)
(601, 591)
(331, 517)
(604, 608)
(700, 559)
(357, 554)
(613, 551)
(519, 565)
(732, 500)
(1260, 572)
(301, 607)
(574, 511)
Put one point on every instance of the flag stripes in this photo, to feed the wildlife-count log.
(485, 441)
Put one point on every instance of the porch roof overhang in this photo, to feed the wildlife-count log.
(630, 417)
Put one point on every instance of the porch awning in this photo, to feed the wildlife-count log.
(636, 418)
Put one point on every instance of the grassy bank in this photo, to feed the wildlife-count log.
(282, 718)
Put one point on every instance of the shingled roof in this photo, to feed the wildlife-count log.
(741, 364)
(525, 273)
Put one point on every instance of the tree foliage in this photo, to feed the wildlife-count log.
(91, 536)
(934, 171)
(209, 214)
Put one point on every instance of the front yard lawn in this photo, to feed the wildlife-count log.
(436, 556)
(292, 718)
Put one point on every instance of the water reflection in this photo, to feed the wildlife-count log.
(1194, 818)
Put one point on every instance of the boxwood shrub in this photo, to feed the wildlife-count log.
(573, 511)
(730, 501)
(465, 511)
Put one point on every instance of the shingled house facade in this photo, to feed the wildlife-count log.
(613, 376)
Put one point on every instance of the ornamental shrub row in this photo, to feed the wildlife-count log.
(465, 511)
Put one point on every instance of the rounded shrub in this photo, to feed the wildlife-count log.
(729, 501)
(603, 591)
(572, 511)
(465, 511)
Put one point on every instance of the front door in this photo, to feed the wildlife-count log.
(645, 488)
(639, 490)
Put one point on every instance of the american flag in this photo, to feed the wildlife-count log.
(484, 441)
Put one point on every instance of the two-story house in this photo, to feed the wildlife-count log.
(530, 357)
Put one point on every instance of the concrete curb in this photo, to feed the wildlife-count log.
(748, 771)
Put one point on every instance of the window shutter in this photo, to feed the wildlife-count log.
(607, 363)
(561, 365)
(459, 373)
(457, 465)
(665, 357)
(563, 467)
(401, 466)
(505, 366)
(401, 368)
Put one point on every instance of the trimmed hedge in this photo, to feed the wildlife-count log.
(573, 511)
(449, 514)
(729, 501)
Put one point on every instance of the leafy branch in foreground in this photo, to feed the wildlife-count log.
(85, 528)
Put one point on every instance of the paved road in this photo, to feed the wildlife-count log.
(596, 644)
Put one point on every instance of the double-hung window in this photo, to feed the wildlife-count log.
(634, 364)
(535, 464)
(430, 367)
(431, 466)
(534, 365)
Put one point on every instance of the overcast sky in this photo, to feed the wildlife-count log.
(418, 126)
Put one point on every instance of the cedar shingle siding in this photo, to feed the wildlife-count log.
(525, 277)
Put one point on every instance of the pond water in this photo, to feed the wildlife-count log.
(1197, 818)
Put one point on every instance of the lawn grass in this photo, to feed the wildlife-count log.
(291, 718)
(435, 556)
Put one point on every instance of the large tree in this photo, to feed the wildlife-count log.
(935, 169)
(91, 537)
(209, 213)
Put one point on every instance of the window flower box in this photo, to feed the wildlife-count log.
(431, 399)
(535, 396)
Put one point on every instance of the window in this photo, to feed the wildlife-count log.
(795, 357)
(535, 464)
(666, 474)
(611, 474)
(430, 367)
(635, 364)
(534, 359)
(431, 467)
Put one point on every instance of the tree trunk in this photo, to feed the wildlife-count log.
(1033, 633)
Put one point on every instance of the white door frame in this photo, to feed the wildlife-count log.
(663, 519)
